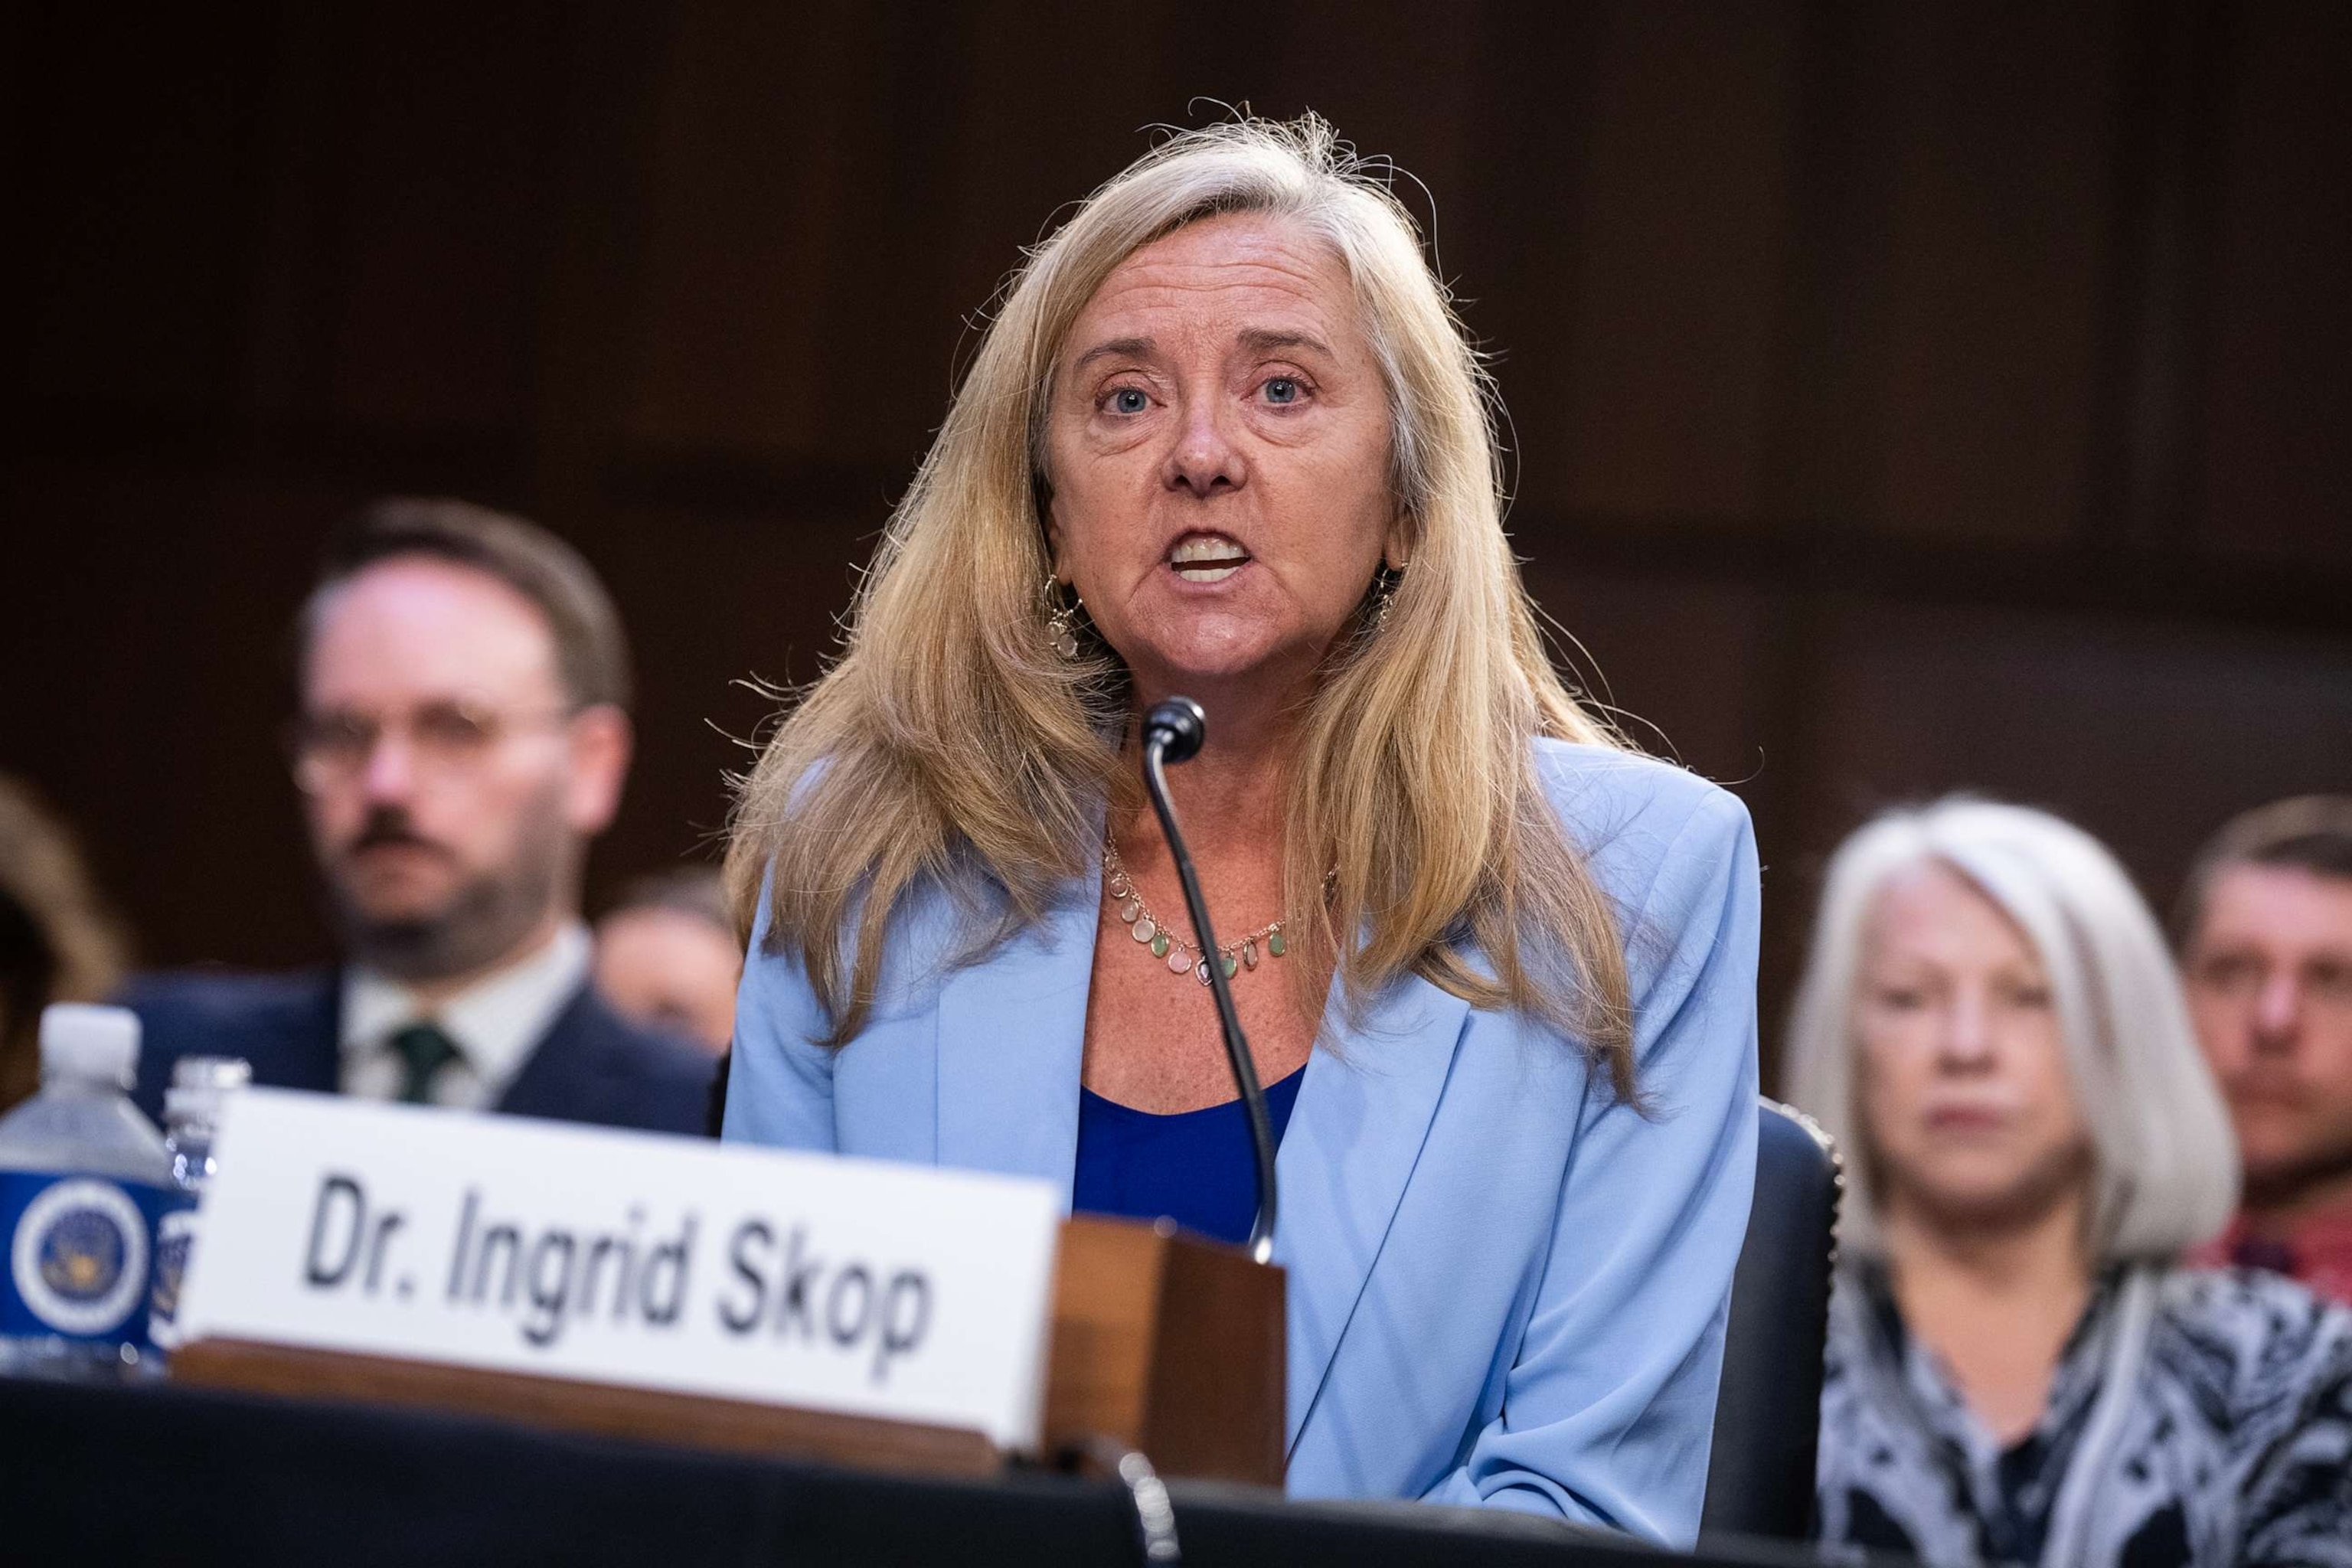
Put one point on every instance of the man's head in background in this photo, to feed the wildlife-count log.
(2266, 949)
(668, 956)
(463, 733)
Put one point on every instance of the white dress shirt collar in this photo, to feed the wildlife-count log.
(495, 1023)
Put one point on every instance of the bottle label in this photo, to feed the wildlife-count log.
(175, 1237)
(79, 1255)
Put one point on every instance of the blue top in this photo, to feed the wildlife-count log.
(1194, 1166)
(1506, 1286)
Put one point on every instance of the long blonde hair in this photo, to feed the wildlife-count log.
(950, 743)
(59, 941)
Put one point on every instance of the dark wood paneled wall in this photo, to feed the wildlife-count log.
(1905, 398)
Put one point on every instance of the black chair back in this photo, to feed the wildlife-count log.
(1768, 1416)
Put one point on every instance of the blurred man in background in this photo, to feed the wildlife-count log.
(2267, 951)
(666, 955)
(463, 733)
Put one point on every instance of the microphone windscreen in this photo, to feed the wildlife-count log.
(1181, 725)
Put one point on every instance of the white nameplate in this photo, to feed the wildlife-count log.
(834, 1284)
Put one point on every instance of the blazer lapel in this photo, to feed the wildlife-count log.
(1011, 1037)
(312, 1037)
(1354, 1138)
(293, 1034)
(554, 1078)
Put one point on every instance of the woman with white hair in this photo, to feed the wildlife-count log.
(2019, 1371)
(1225, 438)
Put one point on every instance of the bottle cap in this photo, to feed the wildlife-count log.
(192, 1103)
(84, 1040)
(211, 1072)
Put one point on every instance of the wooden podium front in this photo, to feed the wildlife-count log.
(1162, 1343)
(1170, 1344)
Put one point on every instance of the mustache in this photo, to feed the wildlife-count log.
(390, 825)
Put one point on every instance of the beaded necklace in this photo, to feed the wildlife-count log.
(1181, 955)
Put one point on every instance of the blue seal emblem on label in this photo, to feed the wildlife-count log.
(79, 1257)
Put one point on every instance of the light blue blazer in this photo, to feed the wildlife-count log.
(1504, 1287)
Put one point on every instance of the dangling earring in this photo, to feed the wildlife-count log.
(1384, 589)
(1061, 622)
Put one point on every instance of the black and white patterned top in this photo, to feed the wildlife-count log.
(2230, 1445)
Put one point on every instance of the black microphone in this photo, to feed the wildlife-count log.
(1173, 733)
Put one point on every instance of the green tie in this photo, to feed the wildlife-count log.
(424, 1051)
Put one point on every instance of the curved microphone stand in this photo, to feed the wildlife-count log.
(1173, 733)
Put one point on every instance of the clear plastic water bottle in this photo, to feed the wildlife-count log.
(192, 1108)
(83, 1180)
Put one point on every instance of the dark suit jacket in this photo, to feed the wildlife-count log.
(592, 1064)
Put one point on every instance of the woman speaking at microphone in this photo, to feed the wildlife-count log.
(1225, 438)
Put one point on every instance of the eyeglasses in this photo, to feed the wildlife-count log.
(445, 740)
